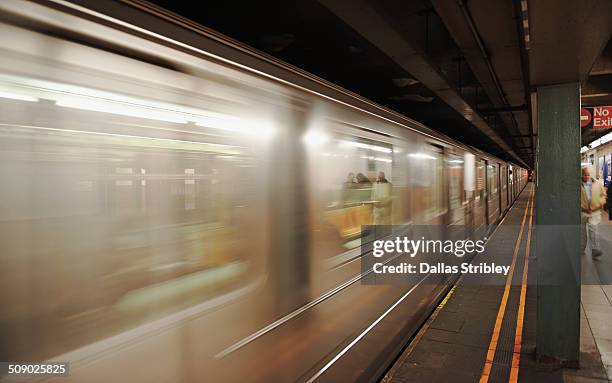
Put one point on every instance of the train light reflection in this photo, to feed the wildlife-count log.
(366, 146)
(120, 109)
(315, 138)
(421, 156)
(16, 96)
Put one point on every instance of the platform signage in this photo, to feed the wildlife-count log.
(597, 117)
(585, 117)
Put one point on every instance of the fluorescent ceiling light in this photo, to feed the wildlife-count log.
(421, 156)
(594, 95)
(598, 142)
(375, 148)
(78, 97)
(16, 96)
(380, 159)
(127, 136)
(120, 109)
(383, 159)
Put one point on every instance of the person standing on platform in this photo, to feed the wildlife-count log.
(593, 199)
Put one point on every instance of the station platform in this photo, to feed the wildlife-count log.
(485, 331)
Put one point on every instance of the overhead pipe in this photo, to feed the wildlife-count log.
(483, 51)
(520, 31)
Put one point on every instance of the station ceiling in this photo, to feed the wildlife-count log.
(465, 68)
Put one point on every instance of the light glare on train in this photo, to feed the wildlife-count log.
(120, 109)
(15, 96)
(381, 159)
(78, 97)
(421, 156)
(315, 138)
(366, 146)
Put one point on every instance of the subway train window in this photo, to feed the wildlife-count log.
(352, 188)
(118, 210)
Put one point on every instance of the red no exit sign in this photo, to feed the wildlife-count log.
(596, 117)
(586, 117)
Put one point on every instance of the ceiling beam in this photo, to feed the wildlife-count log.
(364, 18)
(486, 33)
(567, 37)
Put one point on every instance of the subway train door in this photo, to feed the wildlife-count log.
(289, 268)
(428, 182)
(480, 207)
(502, 189)
(343, 166)
(492, 192)
(507, 187)
(454, 170)
(503, 196)
(499, 190)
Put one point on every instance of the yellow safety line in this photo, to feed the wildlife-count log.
(486, 370)
(518, 335)
(417, 338)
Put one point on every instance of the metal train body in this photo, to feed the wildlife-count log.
(173, 204)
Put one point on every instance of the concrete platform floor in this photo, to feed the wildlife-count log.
(453, 345)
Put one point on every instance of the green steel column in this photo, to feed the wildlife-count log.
(558, 224)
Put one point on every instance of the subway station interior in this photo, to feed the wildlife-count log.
(306, 191)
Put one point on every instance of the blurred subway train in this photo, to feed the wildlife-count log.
(176, 206)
